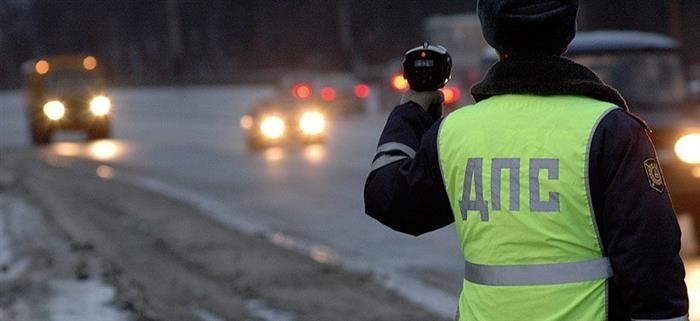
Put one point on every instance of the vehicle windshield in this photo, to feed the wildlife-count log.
(645, 80)
(71, 81)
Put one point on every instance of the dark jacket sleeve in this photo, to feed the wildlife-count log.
(637, 223)
(404, 189)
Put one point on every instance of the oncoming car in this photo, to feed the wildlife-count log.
(649, 72)
(66, 93)
(283, 120)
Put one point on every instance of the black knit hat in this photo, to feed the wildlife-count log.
(528, 27)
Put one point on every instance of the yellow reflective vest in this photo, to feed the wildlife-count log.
(516, 173)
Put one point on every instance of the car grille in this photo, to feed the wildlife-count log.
(77, 112)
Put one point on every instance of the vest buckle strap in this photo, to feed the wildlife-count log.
(538, 274)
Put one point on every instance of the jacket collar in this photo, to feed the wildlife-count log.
(545, 76)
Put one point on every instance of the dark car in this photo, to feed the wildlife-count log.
(283, 119)
(649, 72)
(341, 93)
(66, 93)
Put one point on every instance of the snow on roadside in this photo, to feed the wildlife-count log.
(11, 266)
(32, 291)
(82, 301)
(6, 251)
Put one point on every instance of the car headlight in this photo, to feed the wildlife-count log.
(312, 123)
(54, 110)
(272, 127)
(100, 105)
(688, 148)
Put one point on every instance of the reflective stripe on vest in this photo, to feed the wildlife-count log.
(515, 169)
(683, 318)
(538, 274)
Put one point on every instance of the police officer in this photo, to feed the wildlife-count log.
(553, 185)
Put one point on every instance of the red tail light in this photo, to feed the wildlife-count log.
(362, 91)
(328, 93)
(399, 83)
(452, 95)
(302, 91)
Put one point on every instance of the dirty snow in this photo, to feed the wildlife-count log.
(43, 292)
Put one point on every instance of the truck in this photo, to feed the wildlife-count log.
(66, 92)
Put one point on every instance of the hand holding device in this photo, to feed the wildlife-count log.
(427, 68)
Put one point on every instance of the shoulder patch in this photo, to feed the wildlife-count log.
(653, 170)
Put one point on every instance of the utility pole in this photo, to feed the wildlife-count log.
(174, 45)
(675, 19)
(346, 39)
